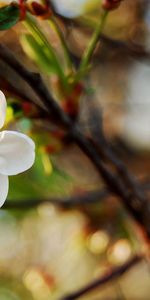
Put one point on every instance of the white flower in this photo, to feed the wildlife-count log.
(74, 8)
(17, 152)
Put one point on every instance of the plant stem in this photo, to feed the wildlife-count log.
(55, 26)
(92, 45)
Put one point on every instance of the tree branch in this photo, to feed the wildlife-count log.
(112, 275)
(140, 210)
(136, 51)
(36, 82)
(90, 197)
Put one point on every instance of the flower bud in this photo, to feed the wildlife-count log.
(37, 8)
(110, 4)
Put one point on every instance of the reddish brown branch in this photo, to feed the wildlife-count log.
(111, 275)
(89, 197)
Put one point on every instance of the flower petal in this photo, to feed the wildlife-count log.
(74, 8)
(17, 152)
(3, 106)
(70, 11)
(3, 188)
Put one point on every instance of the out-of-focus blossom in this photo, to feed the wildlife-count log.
(74, 8)
(137, 120)
(17, 152)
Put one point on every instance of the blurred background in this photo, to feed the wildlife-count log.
(49, 250)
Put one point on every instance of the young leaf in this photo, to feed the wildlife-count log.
(9, 16)
(37, 53)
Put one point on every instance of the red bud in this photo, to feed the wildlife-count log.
(40, 10)
(110, 4)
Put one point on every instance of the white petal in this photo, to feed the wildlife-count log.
(74, 8)
(3, 106)
(3, 188)
(17, 152)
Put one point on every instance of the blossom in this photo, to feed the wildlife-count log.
(74, 8)
(17, 152)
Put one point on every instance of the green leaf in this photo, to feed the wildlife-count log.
(49, 52)
(37, 52)
(9, 16)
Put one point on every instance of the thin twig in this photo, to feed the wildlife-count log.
(90, 197)
(111, 275)
(106, 151)
(134, 50)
